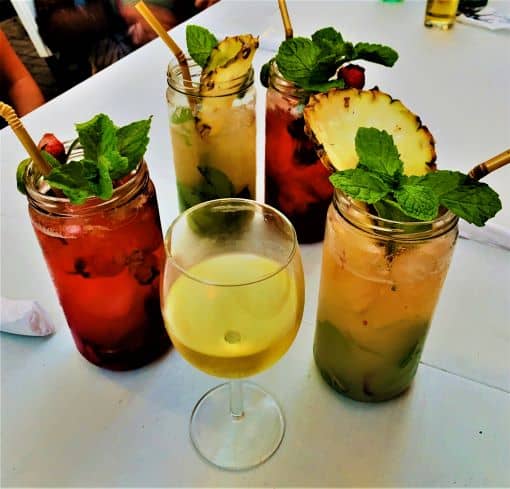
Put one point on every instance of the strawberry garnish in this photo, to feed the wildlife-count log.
(353, 75)
(53, 146)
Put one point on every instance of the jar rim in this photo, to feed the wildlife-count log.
(281, 84)
(176, 81)
(358, 214)
(36, 190)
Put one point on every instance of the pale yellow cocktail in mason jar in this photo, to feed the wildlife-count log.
(212, 119)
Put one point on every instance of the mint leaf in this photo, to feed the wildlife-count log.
(332, 51)
(360, 185)
(388, 209)
(475, 202)
(297, 58)
(216, 184)
(132, 141)
(440, 181)
(116, 164)
(331, 43)
(200, 43)
(377, 152)
(97, 136)
(105, 186)
(327, 38)
(181, 115)
(187, 196)
(90, 171)
(50, 159)
(418, 202)
(376, 53)
(73, 179)
(264, 73)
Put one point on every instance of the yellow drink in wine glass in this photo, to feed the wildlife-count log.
(238, 330)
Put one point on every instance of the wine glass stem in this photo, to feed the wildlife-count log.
(236, 399)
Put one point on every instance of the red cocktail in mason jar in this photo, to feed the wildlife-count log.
(296, 180)
(105, 258)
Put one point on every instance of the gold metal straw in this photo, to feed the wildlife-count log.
(479, 171)
(286, 19)
(9, 114)
(146, 13)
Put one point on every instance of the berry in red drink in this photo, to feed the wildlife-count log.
(353, 75)
(53, 146)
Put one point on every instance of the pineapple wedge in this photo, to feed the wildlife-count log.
(225, 51)
(332, 120)
(228, 63)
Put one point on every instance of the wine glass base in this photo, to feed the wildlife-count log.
(237, 443)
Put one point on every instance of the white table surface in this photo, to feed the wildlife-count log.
(68, 423)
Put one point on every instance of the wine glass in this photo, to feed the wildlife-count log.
(232, 301)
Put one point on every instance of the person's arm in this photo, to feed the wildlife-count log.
(203, 4)
(139, 30)
(22, 90)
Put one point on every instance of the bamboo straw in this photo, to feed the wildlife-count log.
(289, 33)
(479, 171)
(146, 13)
(8, 113)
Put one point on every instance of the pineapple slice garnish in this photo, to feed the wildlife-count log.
(333, 119)
(229, 61)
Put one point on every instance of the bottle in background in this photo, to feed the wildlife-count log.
(440, 14)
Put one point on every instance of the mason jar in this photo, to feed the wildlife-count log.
(380, 283)
(296, 182)
(213, 136)
(105, 259)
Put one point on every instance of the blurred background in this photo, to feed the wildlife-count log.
(48, 46)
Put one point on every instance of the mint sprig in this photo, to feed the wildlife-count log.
(378, 154)
(110, 153)
(200, 42)
(313, 64)
(297, 60)
(361, 185)
(376, 53)
(379, 180)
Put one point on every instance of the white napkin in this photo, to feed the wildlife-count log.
(487, 18)
(491, 234)
(25, 317)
